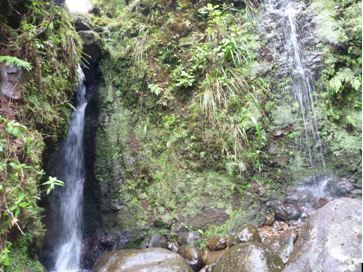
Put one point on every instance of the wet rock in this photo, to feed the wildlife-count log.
(248, 257)
(278, 228)
(282, 245)
(217, 243)
(321, 202)
(157, 240)
(208, 268)
(248, 233)
(339, 187)
(269, 219)
(92, 45)
(10, 76)
(96, 245)
(150, 260)
(279, 239)
(331, 239)
(192, 255)
(188, 238)
(173, 246)
(210, 256)
(81, 22)
(287, 211)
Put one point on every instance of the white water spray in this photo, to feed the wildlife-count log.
(303, 92)
(290, 35)
(68, 250)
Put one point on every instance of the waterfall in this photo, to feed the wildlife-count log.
(285, 28)
(72, 172)
(288, 29)
(303, 92)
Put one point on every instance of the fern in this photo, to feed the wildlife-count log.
(17, 62)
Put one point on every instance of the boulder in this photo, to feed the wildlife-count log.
(340, 187)
(331, 239)
(141, 260)
(282, 245)
(10, 76)
(248, 233)
(92, 45)
(193, 256)
(211, 257)
(269, 219)
(173, 246)
(81, 22)
(156, 240)
(248, 257)
(287, 211)
(188, 238)
(217, 243)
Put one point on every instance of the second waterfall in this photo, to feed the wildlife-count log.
(71, 171)
(291, 42)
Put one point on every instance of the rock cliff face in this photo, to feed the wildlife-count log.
(191, 132)
(176, 144)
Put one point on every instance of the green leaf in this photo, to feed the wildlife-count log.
(10, 60)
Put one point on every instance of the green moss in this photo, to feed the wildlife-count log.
(20, 173)
(44, 37)
(182, 123)
(340, 91)
(187, 118)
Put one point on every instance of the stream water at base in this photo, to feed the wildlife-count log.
(72, 173)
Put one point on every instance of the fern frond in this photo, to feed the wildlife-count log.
(10, 60)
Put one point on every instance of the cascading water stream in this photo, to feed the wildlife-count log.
(290, 39)
(72, 172)
(303, 92)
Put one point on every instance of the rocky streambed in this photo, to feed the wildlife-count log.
(327, 240)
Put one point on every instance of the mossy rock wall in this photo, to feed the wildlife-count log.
(41, 34)
(191, 125)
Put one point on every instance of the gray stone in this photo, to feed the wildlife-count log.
(10, 76)
(330, 240)
(81, 22)
(282, 245)
(188, 238)
(248, 233)
(145, 260)
(193, 256)
(287, 211)
(217, 243)
(157, 240)
(248, 257)
(92, 45)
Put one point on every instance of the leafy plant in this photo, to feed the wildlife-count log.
(16, 61)
(51, 183)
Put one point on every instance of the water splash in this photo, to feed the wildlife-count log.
(68, 250)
